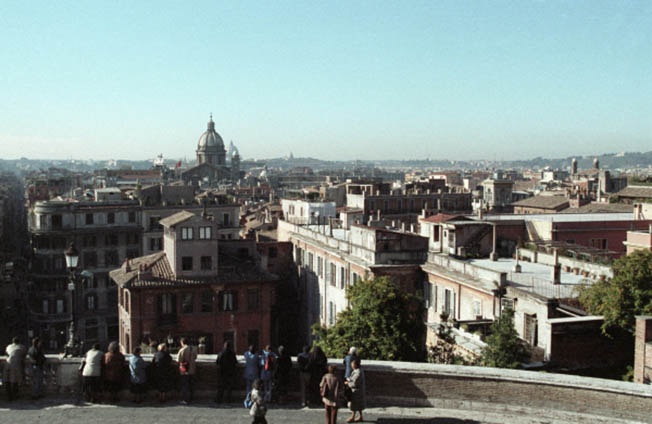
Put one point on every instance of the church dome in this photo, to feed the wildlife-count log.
(210, 137)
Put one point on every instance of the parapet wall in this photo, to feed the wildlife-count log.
(444, 386)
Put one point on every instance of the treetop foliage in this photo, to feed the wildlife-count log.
(504, 348)
(382, 321)
(627, 294)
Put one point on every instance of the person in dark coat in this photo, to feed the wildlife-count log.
(282, 374)
(227, 370)
(114, 370)
(163, 372)
(317, 365)
(36, 355)
(303, 359)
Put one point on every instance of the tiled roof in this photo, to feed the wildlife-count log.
(155, 271)
(546, 202)
(636, 192)
(177, 218)
(441, 217)
(601, 208)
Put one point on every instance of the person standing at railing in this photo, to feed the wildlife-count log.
(187, 359)
(37, 357)
(14, 374)
(92, 373)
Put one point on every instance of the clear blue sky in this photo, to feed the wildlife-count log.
(332, 79)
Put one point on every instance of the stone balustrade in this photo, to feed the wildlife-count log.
(441, 386)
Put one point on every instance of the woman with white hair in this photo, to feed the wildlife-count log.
(353, 354)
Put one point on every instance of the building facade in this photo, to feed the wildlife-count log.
(203, 287)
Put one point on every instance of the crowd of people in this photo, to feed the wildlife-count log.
(267, 376)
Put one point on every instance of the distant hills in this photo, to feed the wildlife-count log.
(626, 161)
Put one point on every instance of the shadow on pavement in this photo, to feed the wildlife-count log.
(438, 420)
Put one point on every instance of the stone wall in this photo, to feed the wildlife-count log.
(446, 386)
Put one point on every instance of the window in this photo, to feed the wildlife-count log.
(90, 283)
(331, 313)
(342, 277)
(253, 299)
(110, 218)
(207, 301)
(228, 300)
(155, 243)
(477, 309)
(132, 217)
(187, 303)
(599, 243)
(91, 329)
(57, 222)
(186, 263)
(59, 263)
(111, 258)
(298, 256)
(333, 275)
(89, 241)
(91, 302)
(204, 233)
(320, 266)
(166, 304)
(89, 219)
(506, 303)
(186, 233)
(226, 219)
(356, 278)
(90, 259)
(530, 329)
(60, 306)
(310, 261)
(132, 238)
(153, 223)
(133, 253)
(111, 240)
(449, 303)
(206, 263)
(45, 306)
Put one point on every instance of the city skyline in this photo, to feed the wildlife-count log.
(363, 80)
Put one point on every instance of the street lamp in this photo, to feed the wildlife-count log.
(72, 259)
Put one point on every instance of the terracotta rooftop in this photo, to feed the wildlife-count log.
(155, 271)
(442, 217)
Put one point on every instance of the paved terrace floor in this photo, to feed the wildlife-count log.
(61, 410)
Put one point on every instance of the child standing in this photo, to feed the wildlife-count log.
(258, 408)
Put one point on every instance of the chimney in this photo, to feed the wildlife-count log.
(556, 268)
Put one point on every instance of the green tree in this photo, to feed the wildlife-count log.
(443, 351)
(627, 294)
(504, 348)
(382, 321)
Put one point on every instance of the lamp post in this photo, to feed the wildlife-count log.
(72, 260)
